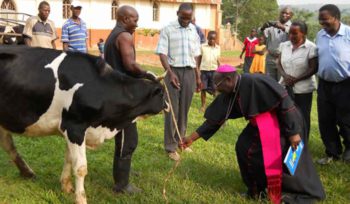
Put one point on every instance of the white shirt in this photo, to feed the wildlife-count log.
(210, 56)
(296, 62)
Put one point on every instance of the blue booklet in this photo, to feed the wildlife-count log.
(292, 157)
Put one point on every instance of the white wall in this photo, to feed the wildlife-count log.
(27, 6)
(97, 13)
(203, 16)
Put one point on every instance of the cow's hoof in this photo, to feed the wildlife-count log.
(28, 174)
(80, 198)
(67, 186)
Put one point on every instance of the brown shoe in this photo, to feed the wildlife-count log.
(187, 150)
(174, 156)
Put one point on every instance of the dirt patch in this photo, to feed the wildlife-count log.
(153, 60)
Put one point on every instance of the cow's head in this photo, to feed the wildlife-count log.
(130, 98)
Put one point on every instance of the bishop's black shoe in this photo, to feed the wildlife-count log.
(128, 189)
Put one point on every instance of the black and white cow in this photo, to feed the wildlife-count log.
(45, 92)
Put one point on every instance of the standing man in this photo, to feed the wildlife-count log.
(179, 49)
(333, 43)
(248, 48)
(276, 32)
(74, 31)
(120, 54)
(39, 31)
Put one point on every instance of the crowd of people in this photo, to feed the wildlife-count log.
(274, 94)
(39, 31)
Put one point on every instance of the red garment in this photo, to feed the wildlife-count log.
(271, 147)
(249, 46)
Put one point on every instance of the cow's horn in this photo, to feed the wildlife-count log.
(161, 77)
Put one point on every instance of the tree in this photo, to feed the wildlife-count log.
(346, 19)
(310, 18)
(230, 8)
(254, 14)
(303, 14)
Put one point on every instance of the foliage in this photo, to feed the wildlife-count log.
(148, 32)
(254, 14)
(208, 175)
(346, 19)
(251, 14)
(229, 8)
(310, 18)
(303, 14)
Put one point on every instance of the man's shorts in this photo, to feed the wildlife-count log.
(207, 78)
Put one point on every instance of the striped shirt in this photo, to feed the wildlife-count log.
(75, 35)
(180, 44)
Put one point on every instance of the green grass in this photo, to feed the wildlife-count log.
(151, 52)
(235, 53)
(208, 175)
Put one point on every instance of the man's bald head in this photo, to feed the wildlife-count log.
(286, 14)
(127, 17)
(125, 11)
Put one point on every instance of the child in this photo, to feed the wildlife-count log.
(101, 47)
(258, 64)
(249, 44)
(208, 61)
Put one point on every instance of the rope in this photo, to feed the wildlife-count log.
(172, 114)
(172, 170)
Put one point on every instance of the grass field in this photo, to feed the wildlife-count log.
(208, 175)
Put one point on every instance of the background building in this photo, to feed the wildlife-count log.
(100, 16)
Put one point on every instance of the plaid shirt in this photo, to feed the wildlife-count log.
(180, 44)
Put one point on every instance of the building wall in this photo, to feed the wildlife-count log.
(97, 15)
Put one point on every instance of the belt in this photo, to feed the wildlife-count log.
(185, 67)
(333, 82)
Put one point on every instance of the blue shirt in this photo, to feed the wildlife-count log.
(75, 35)
(334, 54)
(201, 34)
(101, 47)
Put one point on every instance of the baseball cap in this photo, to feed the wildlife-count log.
(76, 3)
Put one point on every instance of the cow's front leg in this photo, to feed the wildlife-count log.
(79, 163)
(66, 180)
(6, 142)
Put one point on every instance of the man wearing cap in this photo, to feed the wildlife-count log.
(274, 125)
(39, 31)
(74, 31)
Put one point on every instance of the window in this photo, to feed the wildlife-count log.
(115, 6)
(155, 11)
(8, 5)
(66, 9)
